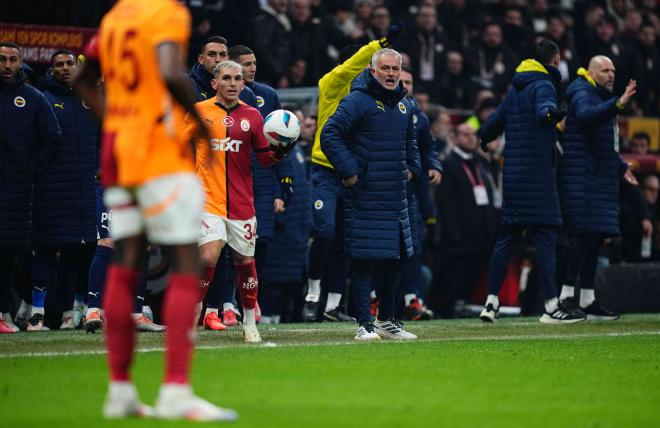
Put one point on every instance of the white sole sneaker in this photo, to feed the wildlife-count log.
(178, 402)
(123, 402)
(392, 330)
(547, 319)
(367, 337)
(251, 333)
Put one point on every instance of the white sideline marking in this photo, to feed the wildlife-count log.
(347, 342)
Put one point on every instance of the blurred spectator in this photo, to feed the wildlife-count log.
(361, 17)
(201, 31)
(425, 44)
(423, 100)
(631, 24)
(540, 16)
(454, 87)
(457, 17)
(603, 41)
(516, 35)
(491, 63)
(379, 21)
(635, 219)
(485, 106)
(618, 10)
(308, 39)
(647, 71)
(468, 224)
(273, 42)
(639, 144)
(569, 63)
(650, 186)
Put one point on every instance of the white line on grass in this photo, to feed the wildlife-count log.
(347, 342)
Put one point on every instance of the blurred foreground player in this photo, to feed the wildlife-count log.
(151, 187)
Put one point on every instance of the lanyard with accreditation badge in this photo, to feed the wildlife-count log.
(478, 187)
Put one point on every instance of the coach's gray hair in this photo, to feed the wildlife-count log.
(226, 64)
(386, 51)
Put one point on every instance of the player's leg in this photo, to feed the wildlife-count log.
(589, 303)
(338, 270)
(142, 322)
(7, 263)
(507, 238)
(212, 240)
(581, 247)
(122, 280)
(214, 296)
(242, 240)
(324, 194)
(173, 220)
(362, 271)
(545, 243)
(44, 270)
(98, 269)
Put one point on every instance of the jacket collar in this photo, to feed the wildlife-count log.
(582, 72)
(463, 154)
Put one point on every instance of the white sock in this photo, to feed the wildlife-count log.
(136, 315)
(408, 298)
(313, 290)
(494, 300)
(25, 310)
(249, 316)
(373, 294)
(567, 291)
(587, 297)
(333, 301)
(551, 305)
(67, 314)
(210, 311)
(90, 310)
(276, 319)
(227, 306)
(266, 319)
(36, 310)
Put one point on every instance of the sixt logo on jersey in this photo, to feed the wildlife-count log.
(225, 145)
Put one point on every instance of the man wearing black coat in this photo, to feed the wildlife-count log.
(468, 224)
(29, 140)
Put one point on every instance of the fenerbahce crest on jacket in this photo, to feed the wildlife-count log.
(223, 163)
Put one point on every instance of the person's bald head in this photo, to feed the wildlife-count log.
(466, 138)
(601, 69)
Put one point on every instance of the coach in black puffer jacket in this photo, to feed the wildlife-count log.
(29, 140)
(589, 181)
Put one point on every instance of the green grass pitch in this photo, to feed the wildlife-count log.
(515, 373)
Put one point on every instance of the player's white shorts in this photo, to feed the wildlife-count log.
(167, 208)
(241, 235)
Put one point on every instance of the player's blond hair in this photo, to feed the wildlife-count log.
(226, 64)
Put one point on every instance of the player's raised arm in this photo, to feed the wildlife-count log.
(174, 75)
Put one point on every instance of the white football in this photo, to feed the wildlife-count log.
(281, 128)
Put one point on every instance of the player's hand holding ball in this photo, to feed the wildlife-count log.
(281, 129)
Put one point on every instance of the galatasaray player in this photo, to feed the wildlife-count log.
(151, 187)
(224, 168)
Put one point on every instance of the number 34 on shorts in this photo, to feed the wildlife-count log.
(240, 235)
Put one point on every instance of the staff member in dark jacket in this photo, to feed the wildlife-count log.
(29, 141)
(467, 219)
(589, 179)
(528, 117)
(65, 197)
(370, 140)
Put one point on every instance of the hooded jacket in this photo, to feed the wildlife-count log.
(65, 197)
(29, 141)
(529, 175)
(591, 167)
(372, 135)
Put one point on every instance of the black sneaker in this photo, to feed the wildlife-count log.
(561, 317)
(596, 311)
(489, 314)
(570, 304)
(310, 311)
(36, 323)
(415, 311)
(338, 314)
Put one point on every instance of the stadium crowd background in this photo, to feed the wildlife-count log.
(462, 55)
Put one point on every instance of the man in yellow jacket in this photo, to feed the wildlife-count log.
(327, 187)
